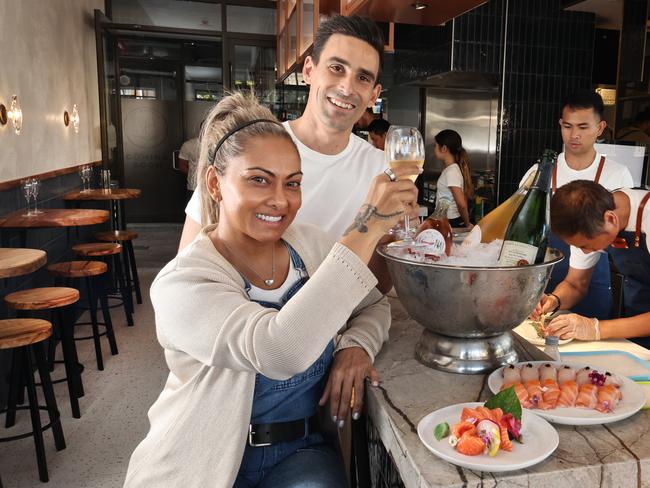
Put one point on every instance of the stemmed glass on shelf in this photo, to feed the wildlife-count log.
(404, 145)
(26, 186)
(30, 187)
(85, 174)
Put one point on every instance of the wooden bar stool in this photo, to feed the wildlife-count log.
(125, 237)
(55, 299)
(71, 273)
(25, 337)
(112, 253)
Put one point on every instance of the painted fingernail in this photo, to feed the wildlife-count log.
(420, 170)
(341, 424)
(334, 418)
(356, 415)
(375, 383)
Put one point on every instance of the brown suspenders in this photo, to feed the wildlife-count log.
(599, 172)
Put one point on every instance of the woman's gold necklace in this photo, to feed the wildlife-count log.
(268, 282)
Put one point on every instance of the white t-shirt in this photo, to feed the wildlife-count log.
(450, 176)
(613, 177)
(333, 187)
(190, 152)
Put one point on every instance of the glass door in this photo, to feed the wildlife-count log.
(251, 66)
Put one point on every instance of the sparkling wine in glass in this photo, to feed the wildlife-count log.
(404, 145)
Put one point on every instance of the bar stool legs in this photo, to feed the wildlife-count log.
(134, 271)
(71, 363)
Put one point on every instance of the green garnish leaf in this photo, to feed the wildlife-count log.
(507, 401)
(441, 431)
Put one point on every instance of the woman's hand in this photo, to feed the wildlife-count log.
(350, 369)
(386, 202)
(574, 325)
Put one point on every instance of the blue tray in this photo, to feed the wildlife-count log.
(636, 377)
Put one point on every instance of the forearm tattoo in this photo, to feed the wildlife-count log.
(366, 213)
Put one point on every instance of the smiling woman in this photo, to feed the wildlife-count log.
(252, 313)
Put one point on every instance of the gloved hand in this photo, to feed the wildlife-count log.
(547, 304)
(574, 325)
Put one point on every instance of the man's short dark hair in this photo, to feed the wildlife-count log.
(579, 208)
(582, 99)
(354, 26)
(379, 126)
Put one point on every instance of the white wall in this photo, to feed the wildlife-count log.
(47, 58)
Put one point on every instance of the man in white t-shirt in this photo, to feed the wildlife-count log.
(343, 72)
(592, 219)
(581, 124)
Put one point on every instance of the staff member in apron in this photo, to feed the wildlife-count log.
(581, 124)
(590, 218)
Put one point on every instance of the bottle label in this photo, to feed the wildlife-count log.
(515, 253)
(433, 240)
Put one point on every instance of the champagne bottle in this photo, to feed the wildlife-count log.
(493, 225)
(434, 234)
(526, 238)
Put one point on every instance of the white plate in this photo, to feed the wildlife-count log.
(633, 400)
(528, 332)
(540, 439)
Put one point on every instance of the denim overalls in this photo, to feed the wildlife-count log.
(287, 400)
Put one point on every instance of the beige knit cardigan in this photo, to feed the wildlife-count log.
(216, 340)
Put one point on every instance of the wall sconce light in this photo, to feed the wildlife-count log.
(72, 118)
(15, 114)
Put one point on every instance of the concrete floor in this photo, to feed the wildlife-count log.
(114, 409)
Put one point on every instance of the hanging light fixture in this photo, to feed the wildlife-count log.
(15, 114)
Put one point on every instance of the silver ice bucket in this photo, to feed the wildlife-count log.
(468, 312)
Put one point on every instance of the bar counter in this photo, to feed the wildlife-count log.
(616, 454)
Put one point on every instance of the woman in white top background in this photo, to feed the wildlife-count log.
(455, 182)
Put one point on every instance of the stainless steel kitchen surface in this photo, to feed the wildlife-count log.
(471, 113)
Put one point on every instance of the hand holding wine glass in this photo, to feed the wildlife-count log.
(404, 145)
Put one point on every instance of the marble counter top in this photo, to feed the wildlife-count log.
(613, 455)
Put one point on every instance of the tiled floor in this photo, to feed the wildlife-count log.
(114, 408)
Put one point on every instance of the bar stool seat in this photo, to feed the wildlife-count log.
(91, 273)
(77, 269)
(95, 249)
(42, 298)
(24, 338)
(23, 332)
(116, 235)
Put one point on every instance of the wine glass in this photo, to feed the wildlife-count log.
(36, 186)
(82, 176)
(404, 145)
(26, 185)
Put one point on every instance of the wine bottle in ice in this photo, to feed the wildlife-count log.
(494, 224)
(434, 234)
(526, 237)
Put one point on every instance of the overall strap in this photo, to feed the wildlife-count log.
(600, 169)
(639, 218)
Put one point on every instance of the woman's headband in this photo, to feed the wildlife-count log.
(212, 154)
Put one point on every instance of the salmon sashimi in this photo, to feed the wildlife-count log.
(535, 394)
(521, 393)
(470, 444)
(607, 398)
(551, 393)
(568, 394)
(469, 415)
(460, 428)
(587, 396)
